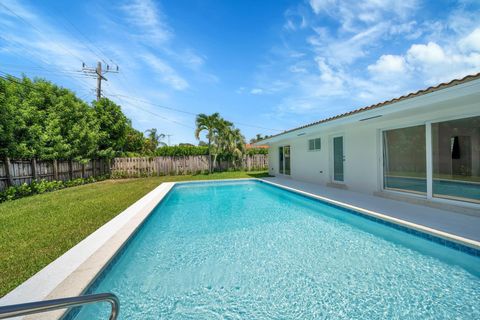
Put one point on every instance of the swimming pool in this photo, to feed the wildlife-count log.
(249, 250)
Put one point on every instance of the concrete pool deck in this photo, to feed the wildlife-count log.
(459, 224)
(71, 273)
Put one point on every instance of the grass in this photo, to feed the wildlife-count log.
(36, 230)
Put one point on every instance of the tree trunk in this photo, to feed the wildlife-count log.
(215, 160)
(209, 157)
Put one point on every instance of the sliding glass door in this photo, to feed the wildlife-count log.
(404, 161)
(284, 160)
(454, 160)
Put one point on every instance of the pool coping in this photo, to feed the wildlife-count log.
(72, 273)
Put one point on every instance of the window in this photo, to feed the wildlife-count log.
(314, 144)
(404, 159)
(456, 159)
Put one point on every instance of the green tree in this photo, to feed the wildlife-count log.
(113, 127)
(134, 141)
(42, 120)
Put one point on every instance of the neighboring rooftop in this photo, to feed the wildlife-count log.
(411, 95)
(253, 146)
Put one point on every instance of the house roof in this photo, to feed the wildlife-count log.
(253, 146)
(411, 95)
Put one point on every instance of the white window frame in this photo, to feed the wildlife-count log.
(314, 149)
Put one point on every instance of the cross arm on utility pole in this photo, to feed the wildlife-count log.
(99, 73)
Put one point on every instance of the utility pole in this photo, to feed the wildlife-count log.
(99, 74)
(99, 80)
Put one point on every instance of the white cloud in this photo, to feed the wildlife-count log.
(388, 64)
(471, 41)
(240, 90)
(410, 30)
(295, 19)
(256, 91)
(330, 80)
(297, 69)
(430, 53)
(193, 60)
(166, 73)
(346, 50)
(321, 5)
(145, 15)
(371, 56)
(353, 14)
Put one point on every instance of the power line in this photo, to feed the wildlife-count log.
(157, 115)
(17, 80)
(187, 112)
(85, 44)
(39, 31)
(55, 72)
(81, 83)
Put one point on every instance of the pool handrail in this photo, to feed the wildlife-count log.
(24, 309)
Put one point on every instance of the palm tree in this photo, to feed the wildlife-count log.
(257, 138)
(211, 125)
(234, 144)
(154, 139)
(220, 141)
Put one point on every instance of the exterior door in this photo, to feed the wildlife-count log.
(280, 160)
(284, 160)
(338, 159)
(286, 151)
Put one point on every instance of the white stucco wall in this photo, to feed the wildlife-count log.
(362, 142)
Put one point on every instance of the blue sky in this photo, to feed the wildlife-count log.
(265, 65)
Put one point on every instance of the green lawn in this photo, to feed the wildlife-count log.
(36, 230)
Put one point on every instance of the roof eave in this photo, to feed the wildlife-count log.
(396, 106)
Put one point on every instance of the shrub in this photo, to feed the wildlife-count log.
(24, 190)
(42, 186)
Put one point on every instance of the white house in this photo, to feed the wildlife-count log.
(423, 147)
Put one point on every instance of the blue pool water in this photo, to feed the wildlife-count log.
(248, 250)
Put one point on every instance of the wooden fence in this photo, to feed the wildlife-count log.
(135, 167)
(14, 172)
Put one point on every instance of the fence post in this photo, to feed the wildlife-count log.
(94, 167)
(83, 170)
(33, 164)
(8, 172)
(55, 169)
(70, 169)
